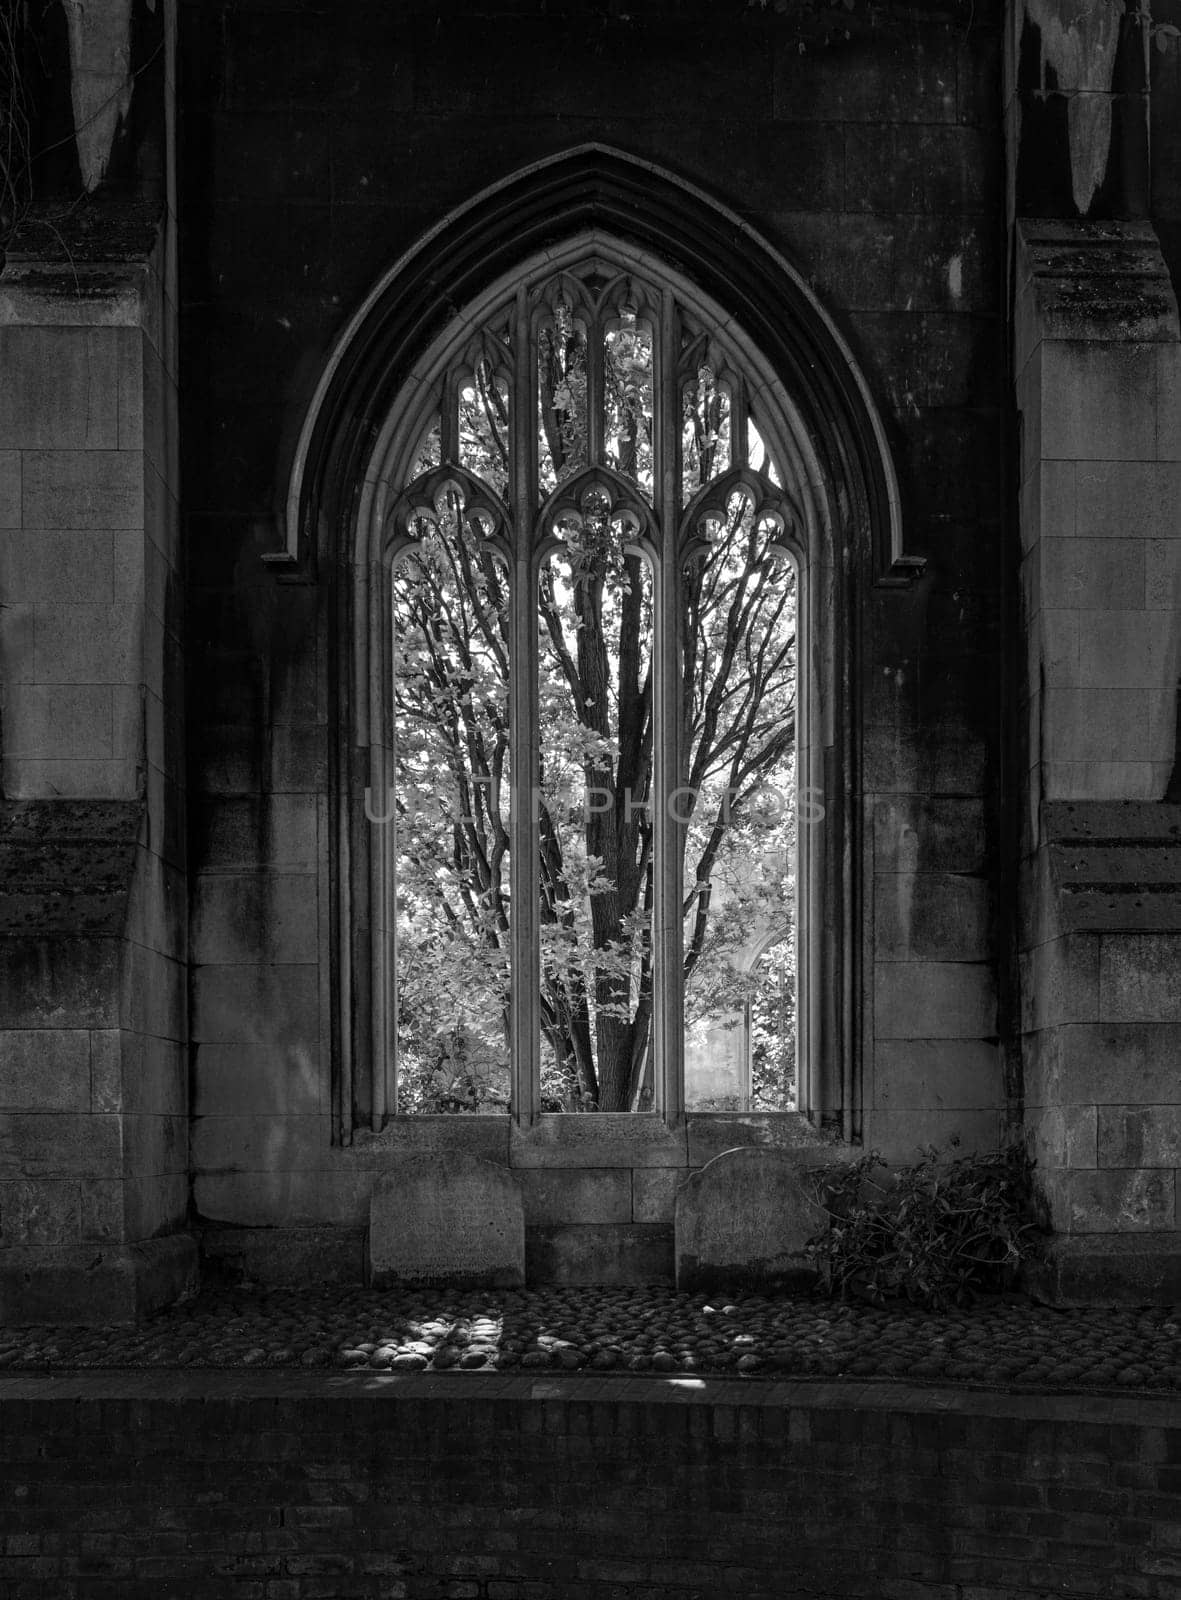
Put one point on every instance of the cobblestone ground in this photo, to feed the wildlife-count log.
(1005, 1342)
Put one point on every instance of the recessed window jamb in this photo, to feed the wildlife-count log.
(668, 843)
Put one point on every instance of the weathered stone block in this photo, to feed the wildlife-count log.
(1108, 725)
(1162, 578)
(1125, 1200)
(900, 1136)
(711, 1133)
(276, 1006)
(82, 489)
(1129, 1064)
(934, 1000)
(18, 632)
(254, 1144)
(911, 83)
(38, 1212)
(157, 1204)
(155, 994)
(1168, 403)
(134, 354)
(1140, 1136)
(10, 488)
(154, 1144)
(447, 1219)
(58, 1144)
(1126, 650)
(914, 167)
(88, 644)
(945, 1074)
(1092, 574)
(485, 1137)
(82, 1285)
(284, 1255)
(44, 1069)
(850, 256)
(945, 757)
(1054, 640)
(944, 262)
(60, 389)
(1108, 1269)
(106, 1069)
(576, 1194)
(101, 1210)
(1126, 499)
(1103, 780)
(278, 830)
(1066, 1136)
(924, 359)
(604, 1139)
(1060, 983)
(912, 833)
(930, 916)
(28, 778)
(1029, 402)
(56, 721)
(607, 1253)
(654, 1192)
(1140, 977)
(59, 983)
(61, 567)
(255, 917)
(1049, 501)
(1098, 401)
(154, 1076)
(333, 1195)
(744, 1218)
(243, 1079)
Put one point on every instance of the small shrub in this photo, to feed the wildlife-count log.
(932, 1233)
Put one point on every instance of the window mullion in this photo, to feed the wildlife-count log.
(523, 741)
(668, 976)
(383, 855)
(594, 391)
(739, 412)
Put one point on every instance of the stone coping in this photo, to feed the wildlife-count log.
(1157, 1411)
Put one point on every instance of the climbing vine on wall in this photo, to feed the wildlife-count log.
(16, 157)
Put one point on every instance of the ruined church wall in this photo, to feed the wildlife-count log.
(315, 148)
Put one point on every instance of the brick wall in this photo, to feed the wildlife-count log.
(278, 1487)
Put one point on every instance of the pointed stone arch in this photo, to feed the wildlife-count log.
(359, 428)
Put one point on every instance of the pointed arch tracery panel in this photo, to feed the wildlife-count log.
(592, 572)
(747, 370)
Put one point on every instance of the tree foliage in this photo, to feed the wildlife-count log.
(452, 674)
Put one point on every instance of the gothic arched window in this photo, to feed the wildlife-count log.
(586, 707)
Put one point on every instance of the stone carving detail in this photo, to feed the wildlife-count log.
(450, 1219)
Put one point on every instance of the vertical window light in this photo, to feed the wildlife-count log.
(452, 818)
(640, 457)
(595, 825)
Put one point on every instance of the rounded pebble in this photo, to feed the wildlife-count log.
(995, 1341)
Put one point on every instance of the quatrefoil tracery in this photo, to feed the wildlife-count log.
(449, 493)
(596, 509)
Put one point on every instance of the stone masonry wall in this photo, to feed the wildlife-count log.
(1099, 386)
(93, 919)
(316, 147)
